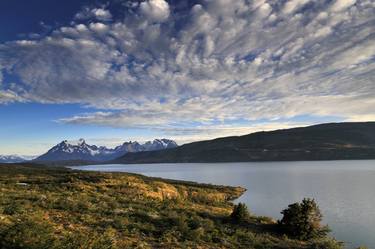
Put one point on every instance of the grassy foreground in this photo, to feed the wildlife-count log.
(59, 208)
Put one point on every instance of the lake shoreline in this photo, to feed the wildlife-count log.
(269, 183)
(65, 207)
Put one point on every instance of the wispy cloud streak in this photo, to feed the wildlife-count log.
(160, 66)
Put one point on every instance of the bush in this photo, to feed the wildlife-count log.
(302, 220)
(27, 232)
(86, 239)
(240, 213)
(11, 209)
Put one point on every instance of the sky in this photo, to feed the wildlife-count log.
(114, 71)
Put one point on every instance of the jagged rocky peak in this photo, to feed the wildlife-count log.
(80, 150)
(81, 142)
(169, 143)
(65, 142)
(159, 144)
(78, 142)
(131, 147)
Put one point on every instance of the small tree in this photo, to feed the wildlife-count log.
(302, 220)
(240, 213)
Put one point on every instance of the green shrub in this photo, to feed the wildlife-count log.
(12, 209)
(302, 220)
(105, 241)
(89, 240)
(240, 213)
(27, 232)
(326, 243)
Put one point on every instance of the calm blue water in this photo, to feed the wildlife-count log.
(344, 190)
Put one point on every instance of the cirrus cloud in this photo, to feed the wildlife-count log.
(216, 61)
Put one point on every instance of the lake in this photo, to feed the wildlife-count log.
(344, 190)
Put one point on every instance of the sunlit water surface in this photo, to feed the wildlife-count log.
(344, 190)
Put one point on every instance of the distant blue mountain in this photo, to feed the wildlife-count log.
(14, 158)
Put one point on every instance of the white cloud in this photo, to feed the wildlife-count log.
(9, 96)
(258, 61)
(26, 43)
(100, 14)
(155, 10)
(293, 5)
(265, 9)
(98, 27)
(361, 53)
(81, 27)
(180, 134)
(323, 31)
(220, 61)
(340, 5)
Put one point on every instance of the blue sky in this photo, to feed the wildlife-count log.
(113, 71)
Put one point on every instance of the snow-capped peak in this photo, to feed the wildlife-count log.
(159, 144)
(80, 150)
(78, 142)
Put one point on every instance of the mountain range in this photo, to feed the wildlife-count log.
(81, 151)
(333, 141)
(14, 158)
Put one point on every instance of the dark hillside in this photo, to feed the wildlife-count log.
(335, 141)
